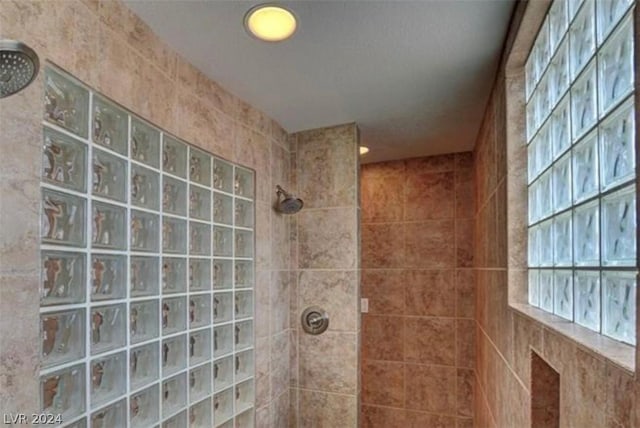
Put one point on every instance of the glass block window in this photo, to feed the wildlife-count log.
(580, 134)
(147, 249)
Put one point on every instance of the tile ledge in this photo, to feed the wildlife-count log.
(620, 354)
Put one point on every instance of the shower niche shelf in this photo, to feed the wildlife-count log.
(146, 271)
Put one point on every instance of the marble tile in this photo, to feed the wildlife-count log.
(465, 343)
(263, 371)
(294, 412)
(465, 397)
(328, 362)
(438, 163)
(465, 293)
(427, 196)
(263, 304)
(431, 388)
(381, 189)
(383, 337)
(382, 245)
(621, 395)
(383, 383)
(280, 300)
(294, 359)
(430, 292)
(430, 340)
(154, 98)
(263, 231)
(253, 150)
(464, 193)
(464, 243)
(280, 388)
(334, 291)
(280, 240)
(422, 419)
(584, 403)
(253, 118)
(327, 166)
(327, 410)
(382, 417)
(263, 417)
(526, 335)
(327, 239)
(429, 244)
(385, 290)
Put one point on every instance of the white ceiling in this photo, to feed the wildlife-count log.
(414, 75)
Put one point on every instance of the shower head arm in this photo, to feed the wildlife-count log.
(281, 191)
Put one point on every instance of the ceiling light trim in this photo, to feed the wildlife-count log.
(252, 11)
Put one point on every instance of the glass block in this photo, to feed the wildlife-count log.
(562, 183)
(615, 67)
(200, 414)
(222, 208)
(534, 287)
(583, 102)
(64, 160)
(199, 310)
(223, 406)
(243, 335)
(143, 321)
(144, 274)
(557, 22)
(227, 424)
(223, 175)
(243, 183)
(177, 421)
(174, 354)
(533, 242)
(174, 275)
(542, 49)
(174, 157)
(144, 231)
(174, 196)
(63, 392)
(199, 203)
(246, 419)
(609, 13)
(199, 346)
(223, 274)
(545, 196)
(63, 337)
(586, 235)
(562, 242)
(143, 407)
(108, 277)
(222, 241)
(546, 290)
(244, 365)
(174, 317)
(559, 72)
(200, 382)
(617, 150)
(108, 325)
(109, 230)
(532, 116)
(244, 274)
(199, 167)
(114, 415)
(222, 307)
(573, 7)
(585, 167)
(243, 243)
(143, 365)
(582, 37)
(199, 274)
(223, 373)
(559, 127)
(244, 396)
(174, 394)
(63, 278)
(587, 299)
(243, 213)
(174, 235)
(244, 304)
(66, 103)
(532, 160)
(619, 228)
(531, 77)
(544, 148)
(145, 187)
(543, 99)
(619, 306)
(109, 176)
(108, 378)
(63, 218)
(145, 143)
(223, 338)
(563, 293)
(109, 125)
(199, 239)
(534, 205)
(546, 243)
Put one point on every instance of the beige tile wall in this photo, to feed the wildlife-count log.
(594, 392)
(324, 368)
(418, 338)
(112, 50)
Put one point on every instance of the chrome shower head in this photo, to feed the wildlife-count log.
(18, 67)
(290, 204)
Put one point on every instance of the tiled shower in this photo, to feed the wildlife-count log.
(154, 282)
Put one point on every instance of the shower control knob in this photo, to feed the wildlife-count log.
(315, 320)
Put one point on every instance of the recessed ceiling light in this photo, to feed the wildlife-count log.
(364, 150)
(270, 22)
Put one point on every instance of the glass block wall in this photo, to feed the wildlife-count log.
(147, 272)
(581, 166)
